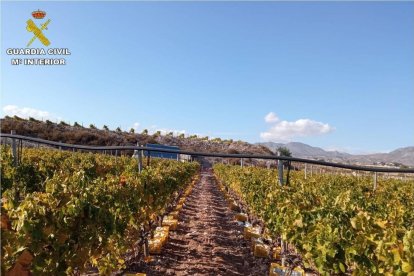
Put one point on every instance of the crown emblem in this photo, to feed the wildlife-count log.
(38, 14)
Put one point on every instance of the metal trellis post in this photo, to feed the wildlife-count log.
(140, 152)
(148, 158)
(14, 148)
(306, 171)
(280, 171)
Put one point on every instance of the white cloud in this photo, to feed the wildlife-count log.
(282, 131)
(176, 132)
(164, 131)
(26, 112)
(135, 126)
(271, 118)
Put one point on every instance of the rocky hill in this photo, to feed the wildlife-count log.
(101, 137)
(97, 137)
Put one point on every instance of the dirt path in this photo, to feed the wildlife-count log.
(207, 241)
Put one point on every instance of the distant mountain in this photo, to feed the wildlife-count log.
(305, 151)
(401, 156)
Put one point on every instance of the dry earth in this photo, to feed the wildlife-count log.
(208, 241)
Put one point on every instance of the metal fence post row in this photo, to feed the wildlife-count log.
(361, 171)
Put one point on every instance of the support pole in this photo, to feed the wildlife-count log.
(375, 181)
(306, 171)
(14, 149)
(140, 152)
(280, 171)
(148, 158)
(241, 162)
(280, 174)
(20, 152)
(284, 246)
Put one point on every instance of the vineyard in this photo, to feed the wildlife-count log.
(73, 213)
(336, 224)
(76, 210)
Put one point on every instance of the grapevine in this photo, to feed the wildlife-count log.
(337, 223)
(72, 210)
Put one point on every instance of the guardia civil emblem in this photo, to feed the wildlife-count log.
(38, 30)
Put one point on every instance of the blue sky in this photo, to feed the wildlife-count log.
(339, 75)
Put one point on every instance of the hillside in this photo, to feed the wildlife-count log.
(305, 151)
(94, 137)
(404, 156)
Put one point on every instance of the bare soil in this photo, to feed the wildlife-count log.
(208, 241)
